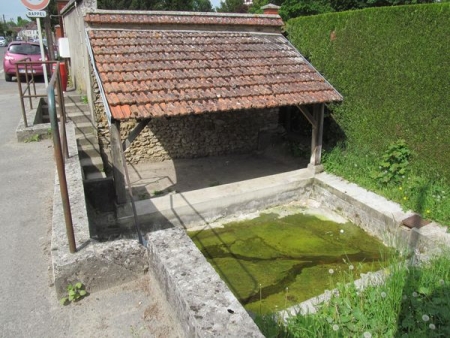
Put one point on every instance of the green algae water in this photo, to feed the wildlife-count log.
(272, 262)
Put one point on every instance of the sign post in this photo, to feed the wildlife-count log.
(35, 6)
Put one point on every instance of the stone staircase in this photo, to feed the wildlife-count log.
(88, 149)
(98, 187)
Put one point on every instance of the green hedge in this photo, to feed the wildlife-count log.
(392, 65)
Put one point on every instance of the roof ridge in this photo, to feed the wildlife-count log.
(180, 13)
(180, 20)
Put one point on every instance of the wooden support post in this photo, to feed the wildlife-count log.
(134, 133)
(317, 134)
(117, 162)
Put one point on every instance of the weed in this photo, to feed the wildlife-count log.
(158, 192)
(75, 292)
(144, 196)
(394, 163)
(421, 192)
(413, 301)
(33, 138)
(84, 99)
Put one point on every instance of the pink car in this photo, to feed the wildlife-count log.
(17, 51)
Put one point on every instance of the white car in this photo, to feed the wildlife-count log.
(3, 42)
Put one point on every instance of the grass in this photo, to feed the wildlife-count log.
(414, 301)
(424, 193)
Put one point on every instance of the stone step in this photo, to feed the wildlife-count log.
(74, 98)
(89, 176)
(84, 128)
(92, 164)
(77, 117)
(87, 139)
(89, 150)
(77, 107)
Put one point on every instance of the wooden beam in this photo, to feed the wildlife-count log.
(134, 133)
(317, 135)
(308, 116)
(117, 162)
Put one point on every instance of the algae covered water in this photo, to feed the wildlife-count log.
(272, 262)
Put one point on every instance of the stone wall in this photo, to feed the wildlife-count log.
(191, 136)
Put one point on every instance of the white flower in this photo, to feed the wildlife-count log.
(351, 267)
(405, 297)
(342, 231)
(331, 271)
(335, 327)
(432, 326)
(415, 294)
(441, 281)
(383, 294)
(425, 318)
(367, 334)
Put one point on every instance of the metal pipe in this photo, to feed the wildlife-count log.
(62, 114)
(19, 84)
(60, 162)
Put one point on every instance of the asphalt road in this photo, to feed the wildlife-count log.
(27, 174)
(28, 303)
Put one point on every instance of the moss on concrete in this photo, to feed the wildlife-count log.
(273, 262)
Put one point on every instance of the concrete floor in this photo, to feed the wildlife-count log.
(182, 175)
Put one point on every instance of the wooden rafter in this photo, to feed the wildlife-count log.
(134, 133)
(305, 111)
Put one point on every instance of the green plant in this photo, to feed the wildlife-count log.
(75, 292)
(158, 192)
(394, 163)
(425, 194)
(33, 138)
(84, 99)
(390, 91)
(413, 301)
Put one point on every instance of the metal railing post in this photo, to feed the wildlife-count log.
(19, 84)
(62, 113)
(60, 161)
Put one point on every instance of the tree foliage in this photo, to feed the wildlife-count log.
(257, 4)
(232, 6)
(159, 5)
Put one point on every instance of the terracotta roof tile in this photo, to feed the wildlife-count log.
(152, 73)
(180, 18)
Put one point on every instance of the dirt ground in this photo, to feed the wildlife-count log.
(154, 179)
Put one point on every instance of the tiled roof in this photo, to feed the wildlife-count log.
(151, 73)
(182, 18)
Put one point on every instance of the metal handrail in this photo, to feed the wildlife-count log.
(24, 64)
(56, 81)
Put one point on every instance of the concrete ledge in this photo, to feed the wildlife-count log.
(35, 125)
(200, 207)
(377, 215)
(97, 265)
(203, 302)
